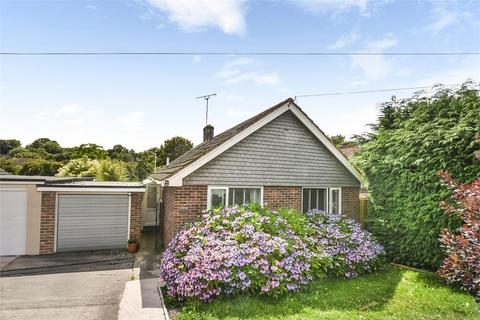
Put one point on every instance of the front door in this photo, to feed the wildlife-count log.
(150, 216)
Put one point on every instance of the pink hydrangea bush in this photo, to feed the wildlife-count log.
(235, 250)
(251, 249)
(349, 249)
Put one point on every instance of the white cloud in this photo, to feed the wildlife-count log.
(91, 6)
(344, 41)
(442, 18)
(240, 70)
(196, 59)
(468, 68)
(336, 6)
(69, 109)
(228, 15)
(376, 67)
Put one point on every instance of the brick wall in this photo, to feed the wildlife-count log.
(282, 197)
(136, 215)
(351, 202)
(47, 222)
(181, 205)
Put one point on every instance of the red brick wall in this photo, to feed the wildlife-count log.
(47, 222)
(136, 215)
(351, 202)
(181, 205)
(282, 197)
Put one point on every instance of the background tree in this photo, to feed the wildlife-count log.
(88, 150)
(108, 170)
(40, 167)
(8, 144)
(173, 148)
(338, 140)
(9, 165)
(411, 141)
(119, 152)
(82, 167)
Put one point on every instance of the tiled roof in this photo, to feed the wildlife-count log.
(205, 147)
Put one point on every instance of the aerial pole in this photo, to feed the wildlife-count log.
(206, 98)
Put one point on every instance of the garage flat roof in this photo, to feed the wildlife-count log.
(42, 179)
(93, 186)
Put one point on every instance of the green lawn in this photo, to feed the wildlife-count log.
(391, 294)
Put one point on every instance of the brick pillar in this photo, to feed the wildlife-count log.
(136, 215)
(47, 222)
(351, 202)
(282, 197)
(182, 205)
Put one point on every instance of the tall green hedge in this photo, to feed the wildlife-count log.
(412, 140)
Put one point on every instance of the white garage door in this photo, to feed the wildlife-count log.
(89, 222)
(13, 221)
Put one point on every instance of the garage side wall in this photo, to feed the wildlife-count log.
(136, 215)
(47, 222)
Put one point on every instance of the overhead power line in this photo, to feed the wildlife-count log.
(367, 91)
(225, 53)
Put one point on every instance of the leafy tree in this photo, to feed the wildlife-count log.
(39, 167)
(88, 150)
(119, 152)
(411, 141)
(8, 144)
(20, 152)
(172, 149)
(338, 140)
(9, 165)
(50, 146)
(108, 170)
(81, 167)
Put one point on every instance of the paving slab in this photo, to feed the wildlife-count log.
(5, 260)
(142, 301)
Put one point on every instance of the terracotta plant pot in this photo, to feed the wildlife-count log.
(133, 247)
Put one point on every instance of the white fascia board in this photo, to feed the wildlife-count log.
(91, 190)
(319, 134)
(21, 182)
(177, 179)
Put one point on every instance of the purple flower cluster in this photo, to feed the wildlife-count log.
(350, 249)
(251, 249)
(230, 251)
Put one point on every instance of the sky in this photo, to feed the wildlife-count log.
(139, 101)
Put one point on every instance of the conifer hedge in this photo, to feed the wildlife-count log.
(412, 140)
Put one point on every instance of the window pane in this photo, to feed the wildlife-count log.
(152, 197)
(334, 201)
(236, 196)
(252, 195)
(218, 197)
(313, 199)
(305, 200)
(322, 199)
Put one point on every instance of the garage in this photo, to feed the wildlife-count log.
(13, 221)
(92, 221)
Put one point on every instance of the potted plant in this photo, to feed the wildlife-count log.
(132, 245)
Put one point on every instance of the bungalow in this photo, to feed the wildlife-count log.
(279, 158)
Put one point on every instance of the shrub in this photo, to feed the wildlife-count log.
(251, 249)
(412, 140)
(462, 247)
(350, 249)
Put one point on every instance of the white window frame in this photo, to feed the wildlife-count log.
(339, 199)
(227, 190)
(328, 196)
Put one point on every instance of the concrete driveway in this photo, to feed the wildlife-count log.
(42, 288)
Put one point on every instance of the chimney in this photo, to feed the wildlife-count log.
(207, 133)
